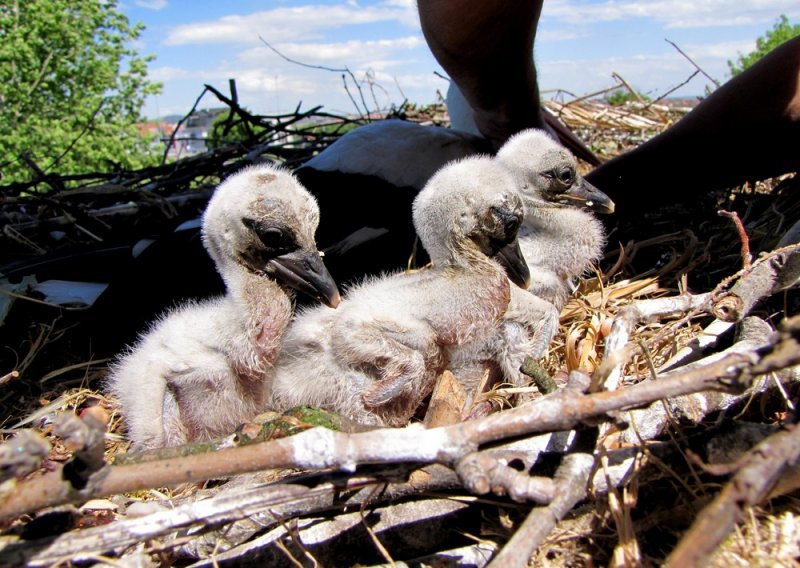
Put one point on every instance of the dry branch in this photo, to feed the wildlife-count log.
(617, 351)
(749, 487)
(571, 479)
(771, 273)
(320, 448)
(653, 420)
(690, 60)
(205, 519)
(22, 455)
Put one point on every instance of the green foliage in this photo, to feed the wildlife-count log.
(71, 88)
(781, 32)
(619, 97)
(238, 131)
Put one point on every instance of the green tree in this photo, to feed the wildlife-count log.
(238, 132)
(71, 88)
(619, 97)
(782, 31)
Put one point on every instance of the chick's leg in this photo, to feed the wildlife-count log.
(202, 404)
(396, 357)
(529, 325)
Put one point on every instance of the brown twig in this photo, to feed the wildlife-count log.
(746, 256)
(571, 480)
(344, 71)
(481, 472)
(261, 502)
(9, 376)
(670, 91)
(749, 487)
(22, 455)
(179, 124)
(320, 448)
(636, 94)
(769, 274)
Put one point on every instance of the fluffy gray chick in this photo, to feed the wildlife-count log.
(205, 367)
(377, 357)
(560, 239)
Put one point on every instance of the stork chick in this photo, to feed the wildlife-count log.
(376, 358)
(205, 367)
(560, 239)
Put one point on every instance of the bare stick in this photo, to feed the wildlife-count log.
(749, 487)
(320, 448)
(690, 60)
(350, 96)
(636, 94)
(746, 256)
(180, 123)
(571, 480)
(670, 91)
(12, 375)
(617, 351)
(22, 455)
(287, 498)
(770, 273)
(323, 68)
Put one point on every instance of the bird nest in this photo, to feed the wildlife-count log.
(627, 474)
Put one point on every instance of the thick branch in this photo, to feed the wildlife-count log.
(320, 448)
(571, 478)
(749, 487)
(617, 353)
(771, 273)
(260, 501)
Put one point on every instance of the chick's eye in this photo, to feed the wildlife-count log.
(272, 238)
(508, 223)
(566, 176)
(560, 179)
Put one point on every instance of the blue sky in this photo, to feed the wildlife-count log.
(580, 43)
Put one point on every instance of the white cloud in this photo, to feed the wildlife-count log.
(674, 13)
(724, 50)
(167, 73)
(261, 81)
(653, 75)
(283, 24)
(151, 4)
(402, 66)
(346, 53)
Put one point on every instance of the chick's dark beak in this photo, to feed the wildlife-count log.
(304, 271)
(584, 194)
(511, 259)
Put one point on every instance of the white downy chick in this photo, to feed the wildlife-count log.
(376, 358)
(205, 367)
(560, 239)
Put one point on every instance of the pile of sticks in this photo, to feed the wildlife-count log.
(656, 392)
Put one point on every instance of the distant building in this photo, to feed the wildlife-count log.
(159, 130)
(190, 138)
